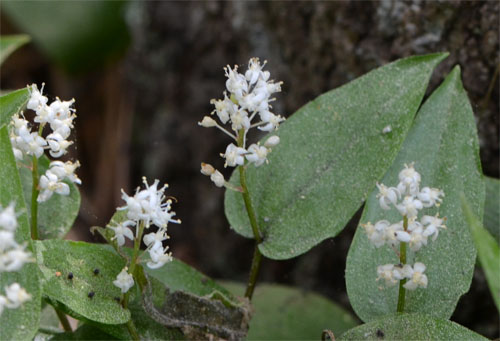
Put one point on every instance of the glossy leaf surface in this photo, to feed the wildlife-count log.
(332, 151)
(11, 104)
(443, 144)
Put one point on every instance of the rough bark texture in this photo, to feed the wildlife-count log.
(139, 117)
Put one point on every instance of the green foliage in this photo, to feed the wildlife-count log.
(11, 43)
(487, 250)
(79, 258)
(11, 104)
(285, 313)
(331, 153)
(84, 332)
(76, 42)
(56, 215)
(443, 144)
(491, 218)
(411, 327)
(21, 323)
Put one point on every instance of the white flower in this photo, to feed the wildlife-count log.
(36, 98)
(124, 280)
(218, 179)
(155, 240)
(257, 154)
(409, 207)
(7, 240)
(62, 109)
(65, 170)
(234, 155)
(224, 108)
(13, 260)
(416, 277)
(387, 273)
(50, 183)
(121, 231)
(255, 72)
(57, 144)
(433, 224)
(207, 169)
(430, 196)
(272, 141)
(376, 233)
(207, 122)
(159, 257)
(8, 218)
(409, 181)
(239, 120)
(417, 239)
(403, 236)
(390, 234)
(387, 196)
(236, 82)
(16, 296)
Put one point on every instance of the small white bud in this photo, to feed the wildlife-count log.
(272, 141)
(218, 179)
(207, 169)
(386, 130)
(207, 122)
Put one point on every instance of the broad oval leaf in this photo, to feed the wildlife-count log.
(286, 313)
(492, 207)
(10, 43)
(57, 258)
(21, 323)
(411, 327)
(11, 104)
(443, 144)
(332, 151)
(85, 332)
(487, 250)
(56, 215)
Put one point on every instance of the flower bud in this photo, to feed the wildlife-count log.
(272, 141)
(218, 178)
(207, 169)
(207, 122)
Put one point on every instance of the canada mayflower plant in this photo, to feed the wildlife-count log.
(409, 200)
(245, 105)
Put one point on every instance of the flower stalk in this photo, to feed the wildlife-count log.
(34, 202)
(402, 261)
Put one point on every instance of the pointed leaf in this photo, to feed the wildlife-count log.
(56, 215)
(286, 313)
(443, 144)
(57, 258)
(411, 327)
(487, 250)
(11, 104)
(21, 323)
(331, 153)
(10, 43)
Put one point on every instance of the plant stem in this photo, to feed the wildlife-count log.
(131, 270)
(34, 197)
(132, 330)
(402, 261)
(64, 320)
(257, 256)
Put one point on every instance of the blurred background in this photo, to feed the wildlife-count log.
(143, 74)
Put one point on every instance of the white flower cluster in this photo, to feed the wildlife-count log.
(148, 207)
(408, 199)
(59, 115)
(12, 258)
(249, 97)
(124, 280)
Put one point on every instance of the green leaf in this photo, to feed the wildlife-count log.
(11, 104)
(63, 256)
(443, 144)
(331, 153)
(492, 207)
(411, 327)
(84, 332)
(10, 43)
(487, 250)
(56, 215)
(21, 323)
(285, 313)
(85, 35)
